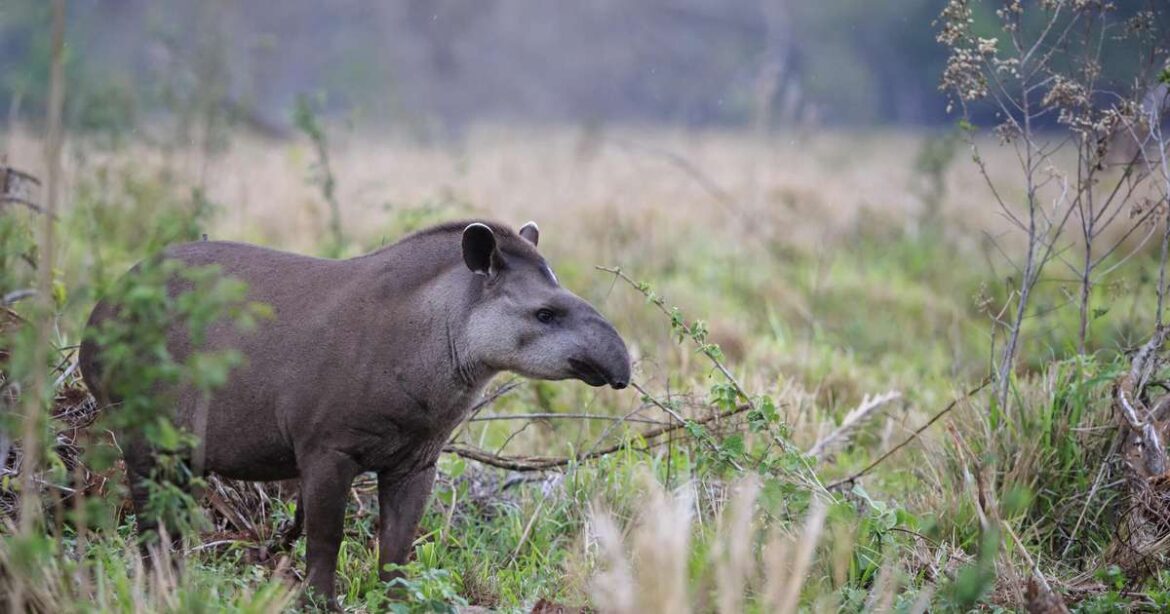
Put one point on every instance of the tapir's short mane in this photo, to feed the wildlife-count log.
(508, 241)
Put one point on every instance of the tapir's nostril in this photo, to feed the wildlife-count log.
(619, 385)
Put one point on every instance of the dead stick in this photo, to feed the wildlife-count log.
(552, 416)
(541, 463)
(660, 405)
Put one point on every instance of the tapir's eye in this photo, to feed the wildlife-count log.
(545, 315)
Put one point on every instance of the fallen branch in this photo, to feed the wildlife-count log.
(912, 437)
(1141, 543)
(1146, 359)
(542, 463)
(553, 416)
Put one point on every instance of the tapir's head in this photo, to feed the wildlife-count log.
(524, 321)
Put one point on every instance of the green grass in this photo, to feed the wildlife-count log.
(815, 331)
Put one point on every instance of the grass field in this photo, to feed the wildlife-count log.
(827, 268)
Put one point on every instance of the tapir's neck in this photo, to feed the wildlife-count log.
(468, 369)
(455, 371)
(427, 294)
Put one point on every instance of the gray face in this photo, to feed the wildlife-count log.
(527, 323)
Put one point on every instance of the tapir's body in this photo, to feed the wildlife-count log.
(348, 362)
(369, 364)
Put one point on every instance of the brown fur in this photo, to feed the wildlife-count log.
(369, 364)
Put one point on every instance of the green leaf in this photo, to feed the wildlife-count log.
(60, 294)
(696, 430)
(455, 467)
(167, 436)
(756, 420)
(733, 446)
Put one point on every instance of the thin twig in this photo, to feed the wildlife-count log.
(677, 417)
(541, 463)
(555, 416)
(954, 403)
(687, 329)
(1092, 494)
(660, 405)
(507, 387)
(609, 428)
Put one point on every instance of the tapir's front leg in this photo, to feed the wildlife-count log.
(401, 503)
(325, 481)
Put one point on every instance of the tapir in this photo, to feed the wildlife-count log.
(368, 364)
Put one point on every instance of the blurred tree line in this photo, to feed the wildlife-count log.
(444, 63)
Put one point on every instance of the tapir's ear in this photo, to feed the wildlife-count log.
(479, 249)
(531, 232)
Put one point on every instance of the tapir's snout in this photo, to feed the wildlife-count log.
(604, 360)
(620, 377)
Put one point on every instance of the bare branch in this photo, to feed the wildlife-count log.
(553, 416)
(543, 463)
(858, 475)
(493, 396)
(689, 330)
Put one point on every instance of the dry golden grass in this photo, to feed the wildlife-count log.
(807, 192)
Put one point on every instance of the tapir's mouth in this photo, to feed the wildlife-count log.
(588, 372)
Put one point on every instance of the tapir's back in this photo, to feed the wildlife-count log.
(305, 296)
(278, 278)
(245, 435)
(281, 280)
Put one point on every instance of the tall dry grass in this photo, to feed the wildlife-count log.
(645, 565)
(807, 193)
